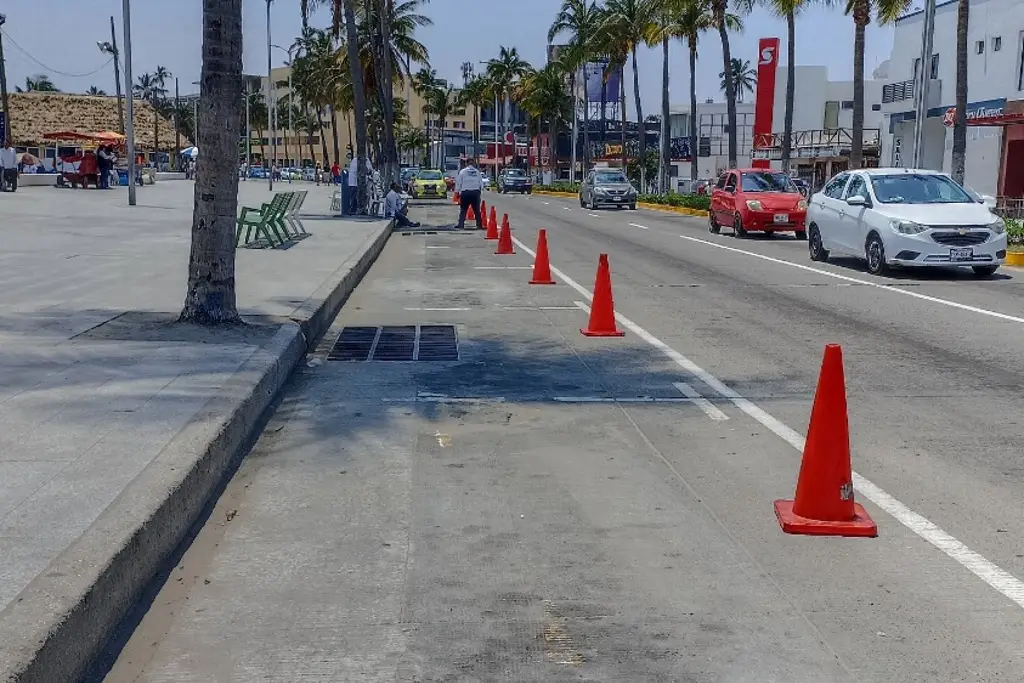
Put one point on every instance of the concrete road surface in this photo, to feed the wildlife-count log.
(551, 507)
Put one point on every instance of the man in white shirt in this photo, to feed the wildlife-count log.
(395, 205)
(353, 180)
(468, 185)
(9, 166)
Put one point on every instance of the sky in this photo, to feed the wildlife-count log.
(58, 38)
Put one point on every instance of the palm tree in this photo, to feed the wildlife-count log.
(210, 294)
(887, 11)
(93, 90)
(413, 140)
(696, 17)
(542, 94)
(478, 93)
(504, 71)
(959, 160)
(666, 28)
(258, 118)
(38, 83)
(744, 77)
(358, 100)
(320, 80)
(579, 19)
(425, 82)
(628, 23)
(720, 12)
(441, 103)
(789, 9)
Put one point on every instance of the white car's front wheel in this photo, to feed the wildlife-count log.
(874, 252)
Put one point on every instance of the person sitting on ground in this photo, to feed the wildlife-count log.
(396, 205)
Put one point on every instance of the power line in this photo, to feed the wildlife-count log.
(50, 68)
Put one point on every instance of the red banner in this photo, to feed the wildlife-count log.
(764, 100)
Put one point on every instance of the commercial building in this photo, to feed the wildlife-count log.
(995, 109)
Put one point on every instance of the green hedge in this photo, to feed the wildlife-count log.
(1015, 231)
(690, 201)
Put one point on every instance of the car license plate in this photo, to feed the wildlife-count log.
(618, 199)
(782, 218)
(961, 254)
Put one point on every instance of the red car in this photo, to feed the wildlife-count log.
(757, 200)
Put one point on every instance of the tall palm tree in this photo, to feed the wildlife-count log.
(504, 71)
(441, 103)
(886, 11)
(959, 160)
(542, 94)
(662, 31)
(628, 23)
(478, 93)
(358, 100)
(38, 83)
(694, 18)
(743, 76)
(210, 293)
(789, 9)
(413, 140)
(720, 12)
(159, 94)
(579, 20)
(318, 77)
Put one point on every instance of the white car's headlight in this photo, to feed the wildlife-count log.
(754, 205)
(908, 227)
(998, 226)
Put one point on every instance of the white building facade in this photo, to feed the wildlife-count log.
(995, 97)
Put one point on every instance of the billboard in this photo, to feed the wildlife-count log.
(764, 100)
(594, 76)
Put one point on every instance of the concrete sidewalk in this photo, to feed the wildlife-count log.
(116, 423)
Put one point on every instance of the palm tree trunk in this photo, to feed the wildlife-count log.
(156, 133)
(476, 129)
(622, 107)
(210, 293)
(861, 16)
(390, 146)
(720, 7)
(358, 101)
(959, 160)
(334, 132)
(787, 130)
(552, 144)
(323, 138)
(263, 146)
(641, 130)
(586, 122)
(664, 172)
(694, 170)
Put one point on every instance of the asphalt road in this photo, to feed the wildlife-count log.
(548, 509)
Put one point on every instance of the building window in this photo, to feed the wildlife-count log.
(917, 68)
(933, 72)
(847, 104)
(979, 47)
(997, 43)
(459, 124)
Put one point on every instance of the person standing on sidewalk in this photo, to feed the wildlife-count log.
(9, 166)
(468, 185)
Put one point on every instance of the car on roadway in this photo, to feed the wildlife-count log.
(428, 183)
(309, 174)
(905, 217)
(514, 180)
(757, 200)
(607, 187)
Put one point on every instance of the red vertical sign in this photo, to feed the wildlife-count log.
(764, 100)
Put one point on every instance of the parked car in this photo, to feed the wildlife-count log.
(428, 183)
(607, 187)
(309, 174)
(514, 180)
(905, 217)
(757, 199)
(257, 172)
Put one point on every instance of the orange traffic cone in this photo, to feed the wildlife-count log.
(505, 238)
(456, 198)
(470, 215)
(824, 504)
(492, 226)
(602, 308)
(483, 211)
(542, 266)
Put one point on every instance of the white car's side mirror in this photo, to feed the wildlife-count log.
(857, 200)
(989, 201)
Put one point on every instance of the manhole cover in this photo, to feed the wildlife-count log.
(397, 343)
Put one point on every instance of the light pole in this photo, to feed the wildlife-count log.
(923, 81)
(130, 123)
(111, 49)
(291, 120)
(3, 86)
(271, 106)
(195, 114)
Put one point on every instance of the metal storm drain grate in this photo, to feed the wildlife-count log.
(397, 343)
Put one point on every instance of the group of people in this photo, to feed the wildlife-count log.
(8, 168)
(469, 184)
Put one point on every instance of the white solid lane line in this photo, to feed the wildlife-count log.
(858, 281)
(707, 406)
(989, 572)
(594, 215)
(547, 203)
(637, 225)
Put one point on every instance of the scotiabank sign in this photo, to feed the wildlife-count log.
(764, 99)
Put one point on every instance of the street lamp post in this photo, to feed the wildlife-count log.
(923, 81)
(111, 49)
(129, 123)
(271, 106)
(3, 85)
(291, 108)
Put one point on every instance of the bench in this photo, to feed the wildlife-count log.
(266, 222)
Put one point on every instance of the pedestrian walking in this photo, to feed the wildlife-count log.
(468, 185)
(8, 167)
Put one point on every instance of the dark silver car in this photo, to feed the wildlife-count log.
(607, 187)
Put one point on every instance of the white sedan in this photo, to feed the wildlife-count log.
(904, 217)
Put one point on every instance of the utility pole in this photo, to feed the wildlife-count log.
(130, 123)
(923, 81)
(248, 125)
(117, 74)
(3, 84)
(271, 105)
(177, 124)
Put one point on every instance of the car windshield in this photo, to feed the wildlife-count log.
(610, 177)
(429, 175)
(515, 174)
(918, 188)
(767, 182)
